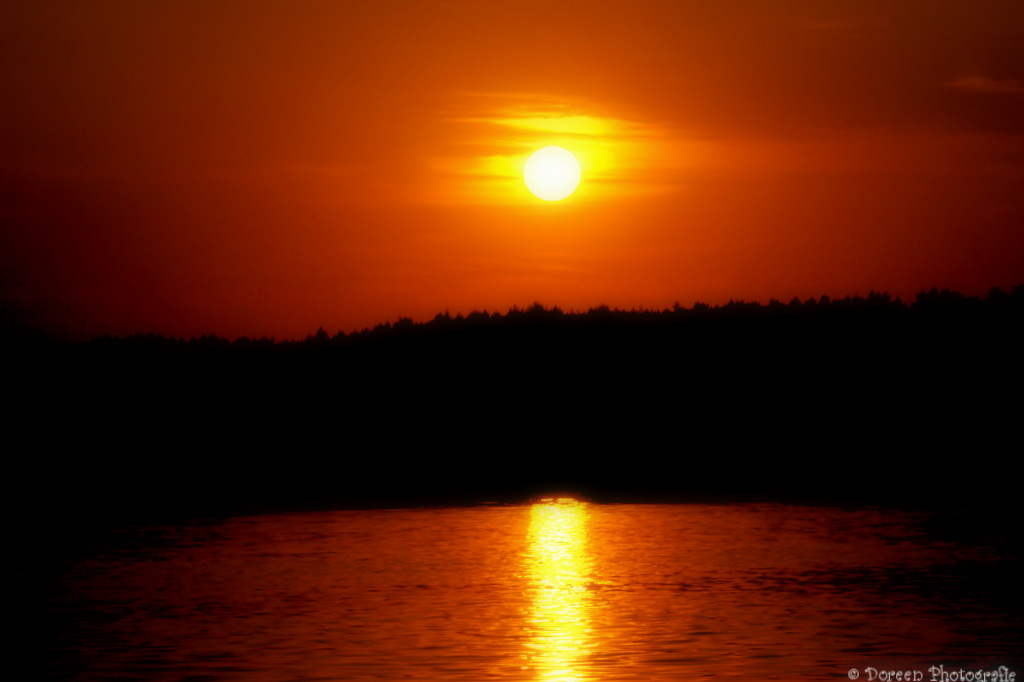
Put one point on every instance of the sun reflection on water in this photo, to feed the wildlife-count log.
(558, 567)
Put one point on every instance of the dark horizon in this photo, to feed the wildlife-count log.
(856, 400)
(933, 300)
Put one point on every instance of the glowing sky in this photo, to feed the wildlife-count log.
(266, 168)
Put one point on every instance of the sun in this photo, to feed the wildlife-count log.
(552, 173)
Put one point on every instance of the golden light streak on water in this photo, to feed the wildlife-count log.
(559, 567)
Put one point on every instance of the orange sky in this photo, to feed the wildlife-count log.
(266, 168)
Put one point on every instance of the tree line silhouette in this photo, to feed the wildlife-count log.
(875, 308)
(858, 399)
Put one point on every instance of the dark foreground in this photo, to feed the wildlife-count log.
(837, 402)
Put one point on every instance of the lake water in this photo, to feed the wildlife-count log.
(545, 591)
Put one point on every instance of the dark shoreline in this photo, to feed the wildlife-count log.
(855, 401)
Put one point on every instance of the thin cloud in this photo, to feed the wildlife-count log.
(493, 134)
(988, 85)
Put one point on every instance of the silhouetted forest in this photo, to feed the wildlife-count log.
(875, 309)
(839, 401)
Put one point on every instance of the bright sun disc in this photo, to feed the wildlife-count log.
(552, 173)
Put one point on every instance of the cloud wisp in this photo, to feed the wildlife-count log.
(493, 135)
(985, 84)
